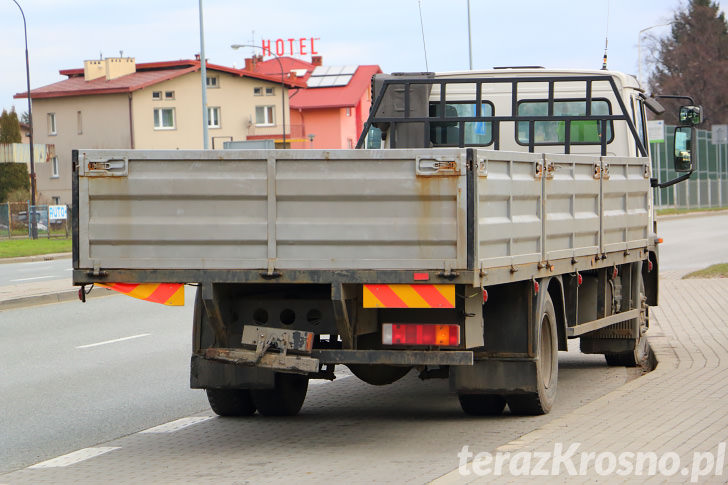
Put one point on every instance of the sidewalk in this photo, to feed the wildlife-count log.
(679, 411)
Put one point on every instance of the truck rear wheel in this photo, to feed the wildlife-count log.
(547, 367)
(231, 402)
(285, 399)
(482, 404)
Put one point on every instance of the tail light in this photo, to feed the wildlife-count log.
(420, 334)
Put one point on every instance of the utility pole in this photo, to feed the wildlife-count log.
(31, 210)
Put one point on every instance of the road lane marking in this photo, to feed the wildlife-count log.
(34, 278)
(177, 425)
(75, 457)
(113, 341)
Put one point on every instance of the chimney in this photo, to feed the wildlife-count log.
(119, 66)
(248, 64)
(110, 68)
(93, 70)
(317, 60)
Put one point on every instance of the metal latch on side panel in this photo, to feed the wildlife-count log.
(482, 167)
(105, 167)
(437, 166)
(597, 171)
(550, 168)
(605, 170)
(538, 169)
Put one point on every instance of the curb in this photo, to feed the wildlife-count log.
(48, 298)
(38, 257)
(692, 214)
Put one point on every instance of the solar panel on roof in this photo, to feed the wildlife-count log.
(342, 80)
(330, 76)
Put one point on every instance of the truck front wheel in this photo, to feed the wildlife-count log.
(285, 399)
(231, 402)
(547, 367)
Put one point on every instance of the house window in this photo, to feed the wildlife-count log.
(54, 167)
(52, 124)
(264, 116)
(169, 95)
(56, 200)
(258, 91)
(156, 94)
(213, 82)
(164, 118)
(213, 117)
(269, 91)
(79, 122)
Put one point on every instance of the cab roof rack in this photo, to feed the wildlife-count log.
(519, 67)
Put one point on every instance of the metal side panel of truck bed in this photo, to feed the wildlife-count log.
(536, 208)
(350, 210)
(263, 209)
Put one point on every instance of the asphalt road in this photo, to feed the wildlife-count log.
(17, 273)
(57, 394)
(692, 243)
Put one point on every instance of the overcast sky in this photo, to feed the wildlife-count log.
(554, 33)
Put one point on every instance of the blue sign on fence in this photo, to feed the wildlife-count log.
(56, 212)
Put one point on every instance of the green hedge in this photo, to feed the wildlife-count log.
(13, 176)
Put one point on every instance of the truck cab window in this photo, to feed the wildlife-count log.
(583, 132)
(447, 133)
(639, 123)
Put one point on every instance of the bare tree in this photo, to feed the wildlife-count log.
(693, 60)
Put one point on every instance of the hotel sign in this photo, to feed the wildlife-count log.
(302, 46)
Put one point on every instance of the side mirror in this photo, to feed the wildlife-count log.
(683, 148)
(691, 115)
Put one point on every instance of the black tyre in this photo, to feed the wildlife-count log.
(547, 368)
(639, 353)
(378, 374)
(482, 404)
(285, 399)
(231, 402)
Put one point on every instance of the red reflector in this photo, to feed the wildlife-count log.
(422, 276)
(420, 334)
(649, 266)
(579, 280)
(535, 287)
(614, 273)
(485, 295)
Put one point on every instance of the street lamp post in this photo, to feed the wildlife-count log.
(203, 75)
(31, 211)
(639, 48)
(283, 86)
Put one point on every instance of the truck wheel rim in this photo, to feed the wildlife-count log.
(546, 354)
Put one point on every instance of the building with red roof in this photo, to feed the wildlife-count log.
(117, 103)
(330, 112)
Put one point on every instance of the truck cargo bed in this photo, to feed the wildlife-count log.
(351, 210)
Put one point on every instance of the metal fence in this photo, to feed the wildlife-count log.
(707, 187)
(51, 220)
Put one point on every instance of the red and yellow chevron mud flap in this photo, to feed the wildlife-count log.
(172, 294)
(409, 296)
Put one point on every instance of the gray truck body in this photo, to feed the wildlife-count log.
(343, 210)
(537, 246)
